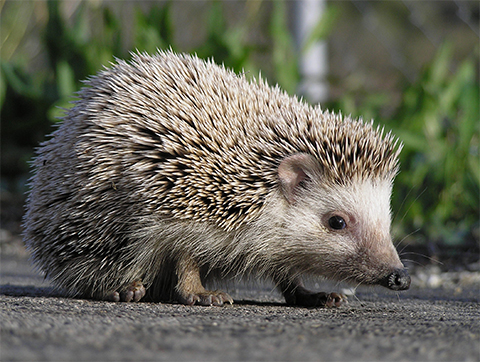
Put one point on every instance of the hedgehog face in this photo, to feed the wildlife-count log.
(362, 247)
(345, 228)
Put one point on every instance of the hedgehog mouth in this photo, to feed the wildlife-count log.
(397, 280)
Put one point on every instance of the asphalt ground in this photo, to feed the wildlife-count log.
(421, 324)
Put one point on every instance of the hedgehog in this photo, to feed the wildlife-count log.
(170, 171)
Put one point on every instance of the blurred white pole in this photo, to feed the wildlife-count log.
(314, 62)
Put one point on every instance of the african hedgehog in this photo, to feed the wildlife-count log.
(170, 169)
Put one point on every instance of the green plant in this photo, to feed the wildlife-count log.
(437, 191)
(436, 195)
(439, 125)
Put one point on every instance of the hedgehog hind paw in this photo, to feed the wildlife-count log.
(206, 298)
(133, 293)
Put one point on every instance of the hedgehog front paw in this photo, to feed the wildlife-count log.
(133, 293)
(335, 300)
(327, 300)
(207, 298)
(305, 298)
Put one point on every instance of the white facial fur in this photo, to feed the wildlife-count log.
(362, 251)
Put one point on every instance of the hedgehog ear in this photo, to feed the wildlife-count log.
(292, 171)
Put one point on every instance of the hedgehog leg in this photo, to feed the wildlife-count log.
(133, 293)
(190, 289)
(296, 294)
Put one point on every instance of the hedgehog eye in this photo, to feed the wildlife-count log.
(337, 222)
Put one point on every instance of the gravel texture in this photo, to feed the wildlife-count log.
(422, 324)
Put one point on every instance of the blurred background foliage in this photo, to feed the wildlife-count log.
(411, 66)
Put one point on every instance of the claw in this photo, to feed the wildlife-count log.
(335, 300)
(132, 293)
(207, 298)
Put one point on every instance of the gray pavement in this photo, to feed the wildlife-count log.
(38, 324)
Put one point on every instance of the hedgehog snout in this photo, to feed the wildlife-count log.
(397, 280)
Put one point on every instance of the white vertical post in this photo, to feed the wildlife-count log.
(313, 63)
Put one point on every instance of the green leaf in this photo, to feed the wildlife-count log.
(3, 88)
(65, 79)
(469, 110)
(284, 55)
(323, 27)
(474, 167)
(439, 68)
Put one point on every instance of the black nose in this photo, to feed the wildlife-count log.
(398, 280)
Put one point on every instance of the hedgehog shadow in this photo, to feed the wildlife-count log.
(10, 290)
(251, 302)
(31, 291)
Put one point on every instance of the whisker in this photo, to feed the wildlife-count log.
(413, 262)
(403, 203)
(355, 293)
(406, 236)
(411, 204)
(433, 260)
